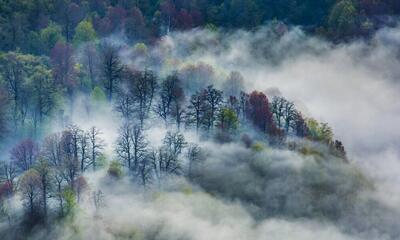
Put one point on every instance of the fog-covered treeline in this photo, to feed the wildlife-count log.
(52, 165)
(48, 156)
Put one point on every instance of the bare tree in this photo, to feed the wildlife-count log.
(24, 154)
(283, 112)
(52, 149)
(144, 89)
(163, 107)
(214, 100)
(194, 157)
(125, 102)
(139, 146)
(171, 98)
(124, 145)
(173, 144)
(3, 112)
(289, 115)
(44, 174)
(91, 61)
(53, 152)
(111, 68)
(163, 163)
(75, 133)
(29, 186)
(178, 112)
(299, 125)
(96, 145)
(125, 105)
(145, 170)
(70, 163)
(8, 173)
(178, 108)
(156, 163)
(196, 109)
(83, 150)
(131, 146)
(165, 159)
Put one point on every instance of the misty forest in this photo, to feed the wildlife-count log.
(200, 119)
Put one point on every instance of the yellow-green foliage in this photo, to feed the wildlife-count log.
(187, 190)
(115, 169)
(310, 151)
(228, 120)
(50, 35)
(84, 32)
(101, 161)
(343, 18)
(140, 49)
(258, 147)
(98, 95)
(70, 201)
(319, 131)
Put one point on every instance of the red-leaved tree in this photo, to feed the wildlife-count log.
(258, 112)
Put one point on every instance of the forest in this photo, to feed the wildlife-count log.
(185, 119)
(35, 26)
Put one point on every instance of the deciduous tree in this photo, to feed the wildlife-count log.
(131, 146)
(258, 112)
(44, 175)
(30, 187)
(96, 145)
(111, 69)
(84, 32)
(196, 110)
(3, 113)
(144, 89)
(213, 98)
(24, 154)
(63, 67)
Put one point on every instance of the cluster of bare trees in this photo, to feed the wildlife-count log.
(149, 165)
(171, 100)
(136, 94)
(206, 108)
(287, 118)
(51, 170)
(139, 95)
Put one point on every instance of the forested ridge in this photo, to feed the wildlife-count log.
(162, 119)
(35, 26)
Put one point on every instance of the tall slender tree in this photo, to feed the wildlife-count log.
(96, 145)
(111, 69)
